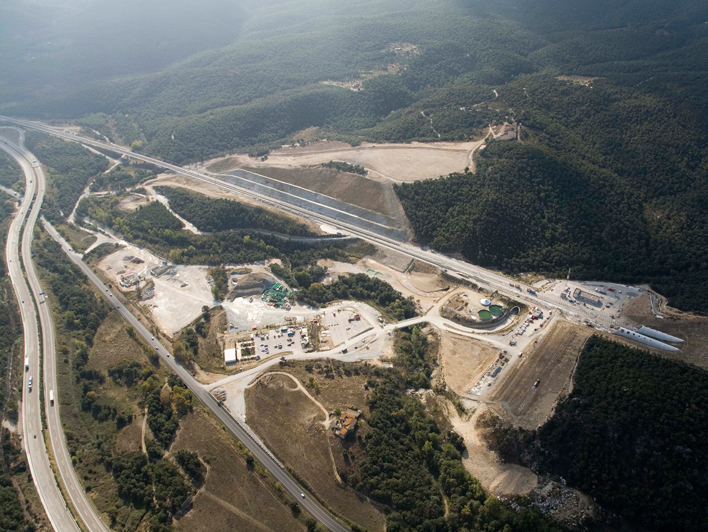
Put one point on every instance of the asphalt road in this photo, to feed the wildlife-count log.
(238, 429)
(33, 440)
(89, 515)
(462, 269)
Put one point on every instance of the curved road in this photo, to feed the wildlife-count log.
(457, 267)
(86, 510)
(240, 430)
(34, 444)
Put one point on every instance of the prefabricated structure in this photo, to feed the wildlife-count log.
(230, 356)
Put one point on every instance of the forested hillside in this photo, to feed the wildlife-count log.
(256, 80)
(210, 215)
(633, 434)
(609, 183)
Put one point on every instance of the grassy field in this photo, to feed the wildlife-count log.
(79, 239)
(292, 426)
(233, 496)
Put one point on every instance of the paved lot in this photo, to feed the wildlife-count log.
(275, 341)
(342, 325)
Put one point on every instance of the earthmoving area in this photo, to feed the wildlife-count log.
(397, 162)
(551, 363)
(464, 360)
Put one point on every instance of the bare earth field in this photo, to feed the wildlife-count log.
(398, 162)
(291, 425)
(377, 196)
(232, 498)
(552, 362)
(692, 329)
(464, 360)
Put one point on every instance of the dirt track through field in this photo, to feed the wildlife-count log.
(551, 362)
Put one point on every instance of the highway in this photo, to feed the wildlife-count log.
(453, 266)
(33, 440)
(89, 515)
(242, 432)
(460, 268)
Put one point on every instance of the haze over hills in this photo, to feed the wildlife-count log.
(553, 155)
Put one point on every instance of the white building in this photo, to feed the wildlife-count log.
(230, 356)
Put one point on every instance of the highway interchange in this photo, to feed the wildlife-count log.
(49, 493)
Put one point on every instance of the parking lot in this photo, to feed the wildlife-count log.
(281, 340)
(343, 325)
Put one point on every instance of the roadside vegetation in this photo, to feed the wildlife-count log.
(632, 434)
(108, 380)
(212, 215)
(11, 175)
(70, 166)
(155, 227)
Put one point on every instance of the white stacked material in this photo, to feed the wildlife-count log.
(658, 334)
(638, 337)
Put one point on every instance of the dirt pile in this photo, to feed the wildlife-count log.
(253, 284)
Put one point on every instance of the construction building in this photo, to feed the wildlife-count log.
(345, 424)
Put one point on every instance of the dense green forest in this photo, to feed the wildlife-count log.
(263, 85)
(71, 167)
(592, 188)
(361, 287)
(633, 434)
(212, 215)
(412, 464)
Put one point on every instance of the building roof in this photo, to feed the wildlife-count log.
(230, 356)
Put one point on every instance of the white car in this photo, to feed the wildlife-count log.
(30, 383)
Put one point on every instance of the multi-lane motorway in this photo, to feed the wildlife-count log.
(33, 438)
(457, 267)
(45, 482)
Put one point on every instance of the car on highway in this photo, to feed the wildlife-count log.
(30, 383)
(535, 384)
(302, 495)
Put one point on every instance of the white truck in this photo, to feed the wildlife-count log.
(26, 363)
(51, 397)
